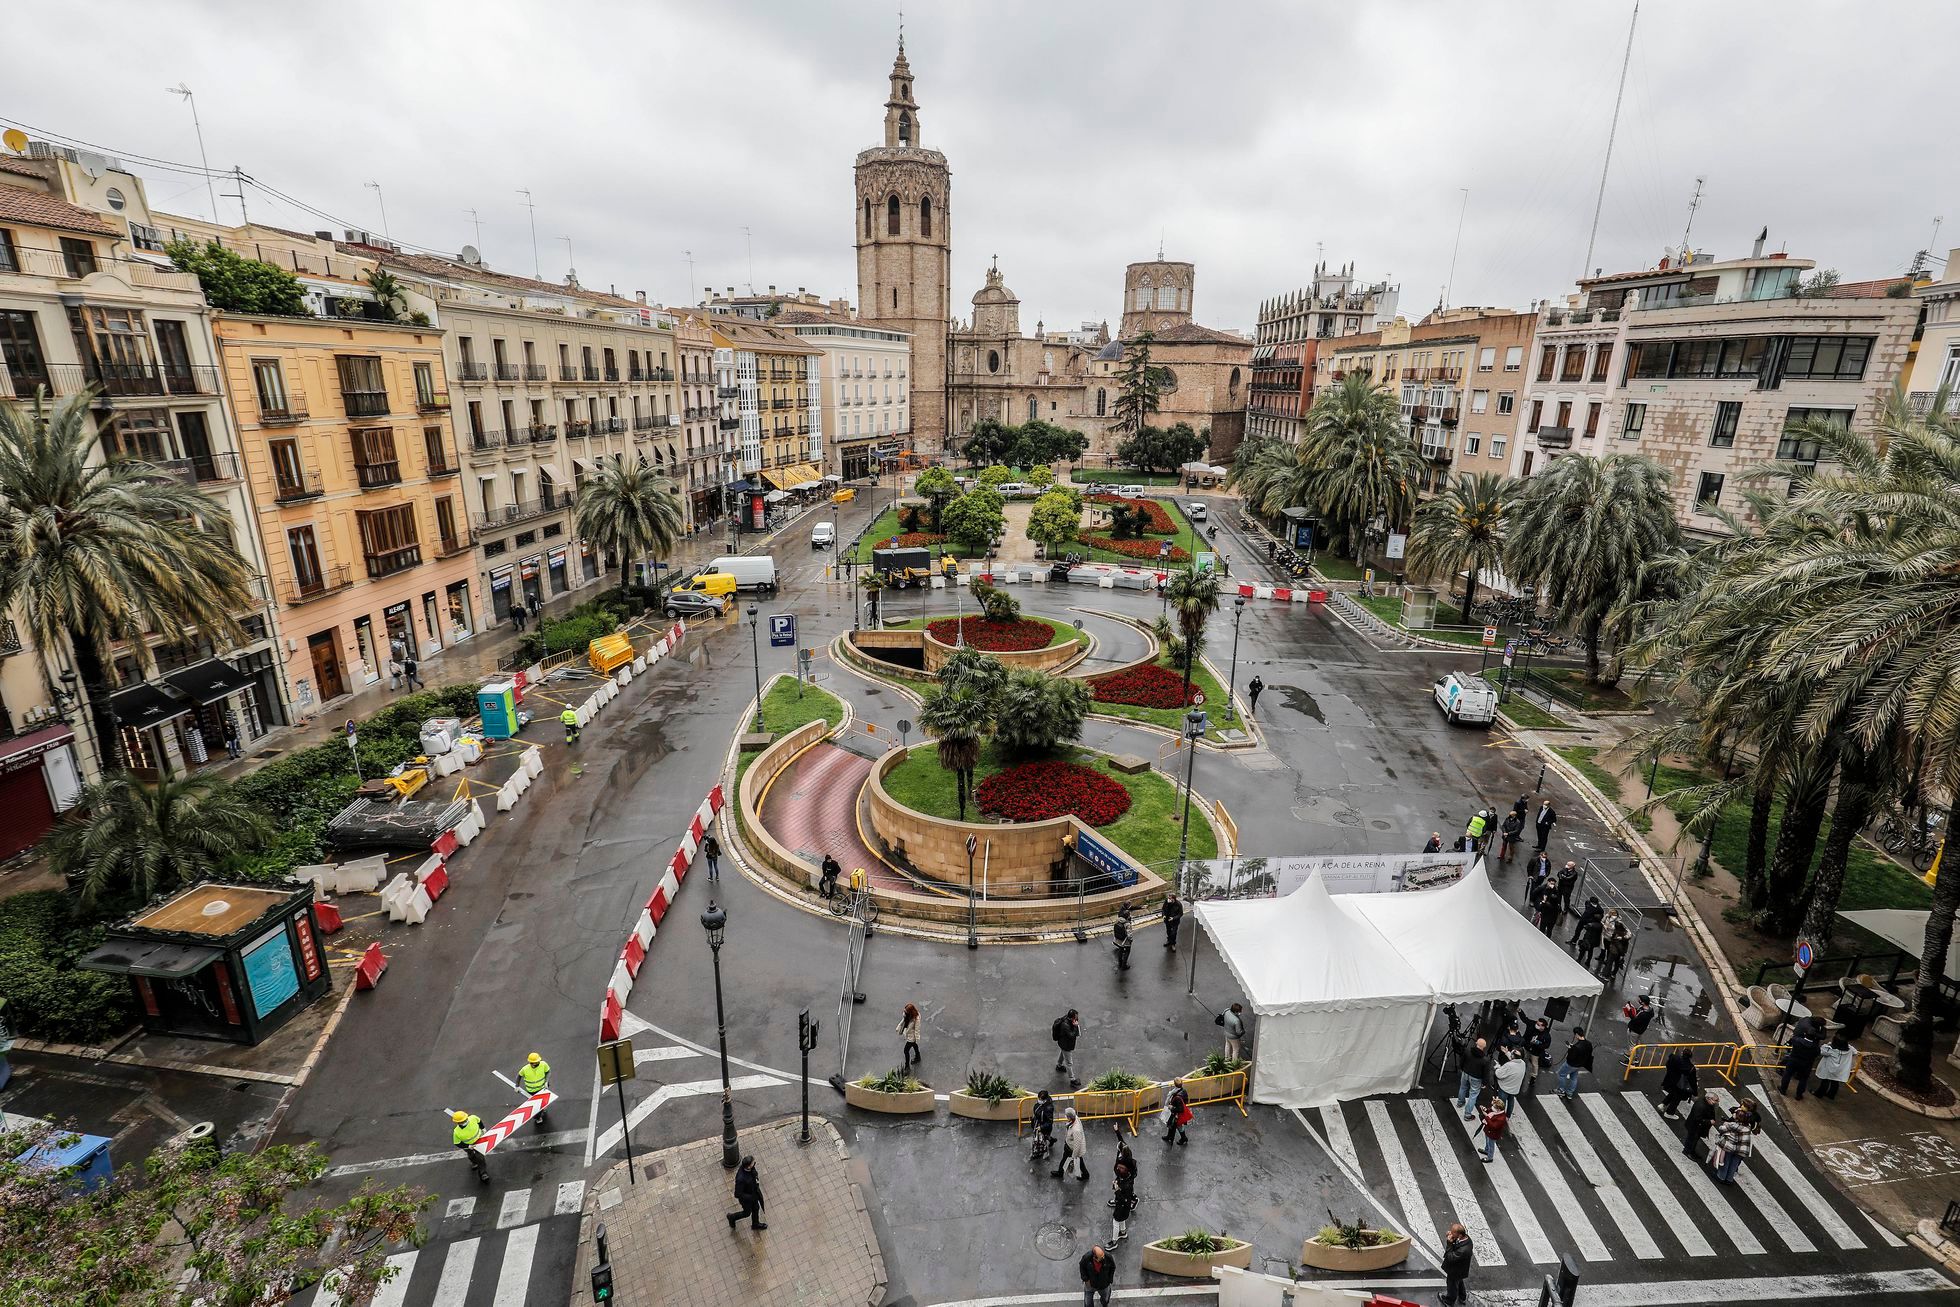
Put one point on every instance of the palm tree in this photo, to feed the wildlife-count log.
(1463, 530)
(93, 551)
(1193, 597)
(630, 511)
(1591, 533)
(130, 840)
(1034, 712)
(1356, 462)
(389, 293)
(956, 718)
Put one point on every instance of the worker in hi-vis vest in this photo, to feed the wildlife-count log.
(469, 1127)
(533, 1076)
(569, 718)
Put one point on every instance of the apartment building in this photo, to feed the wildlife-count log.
(1702, 364)
(1936, 366)
(1458, 374)
(1292, 328)
(864, 392)
(708, 451)
(777, 405)
(89, 304)
(352, 463)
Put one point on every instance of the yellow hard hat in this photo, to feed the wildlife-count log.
(459, 1117)
(534, 1059)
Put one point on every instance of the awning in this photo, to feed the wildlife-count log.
(832, 476)
(799, 475)
(143, 957)
(18, 751)
(208, 681)
(146, 705)
(776, 478)
(585, 465)
(775, 496)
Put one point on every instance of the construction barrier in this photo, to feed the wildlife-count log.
(632, 955)
(328, 916)
(1769, 1057)
(373, 962)
(1227, 1087)
(1281, 593)
(1725, 1059)
(1129, 1106)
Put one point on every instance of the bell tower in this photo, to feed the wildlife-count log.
(904, 246)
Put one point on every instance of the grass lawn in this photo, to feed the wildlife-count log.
(885, 526)
(1187, 538)
(1170, 718)
(1585, 758)
(1148, 832)
(1389, 609)
(1336, 568)
(1117, 476)
(1063, 633)
(1530, 716)
(1592, 698)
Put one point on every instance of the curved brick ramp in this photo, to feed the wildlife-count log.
(812, 810)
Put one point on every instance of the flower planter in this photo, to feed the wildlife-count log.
(1336, 1257)
(1204, 1088)
(1195, 1266)
(976, 1108)
(872, 1100)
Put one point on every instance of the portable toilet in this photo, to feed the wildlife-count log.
(496, 703)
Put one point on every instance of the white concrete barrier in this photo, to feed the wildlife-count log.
(639, 664)
(622, 676)
(520, 780)
(507, 796)
(534, 761)
(534, 674)
(415, 906)
(643, 929)
(430, 865)
(396, 893)
(688, 847)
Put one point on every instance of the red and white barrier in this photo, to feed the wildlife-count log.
(519, 1116)
(1283, 594)
(634, 953)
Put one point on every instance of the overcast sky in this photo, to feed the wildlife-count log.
(1248, 135)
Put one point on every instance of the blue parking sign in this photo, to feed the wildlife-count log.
(782, 629)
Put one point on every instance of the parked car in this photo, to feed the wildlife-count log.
(707, 583)
(1467, 699)
(693, 603)
(1195, 509)
(823, 535)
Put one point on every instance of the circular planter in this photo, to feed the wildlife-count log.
(872, 1100)
(1195, 1266)
(1210, 1089)
(976, 1108)
(1336, 1257)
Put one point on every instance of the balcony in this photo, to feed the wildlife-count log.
(205, 469)
(612, 375)
(566, 372)
(365, 403)
(637, 374)
(291, 485)
(449, 547)
(578, 430)
(305, 589)
(1450, 416)
(374, 476)
(1555, 437)
(730, 424)
(609, 426)
(473, 372)
(544, 433)
(9, 637)
(292, 412)
(436, 403)
(643, 423)
(486, 440)
(1921, 403)
(524, 511)
(1440, 455)
(660, 374)
(591, 372)
(728, 392)
(191, 379)
(1580, 317)
(536, 372)
(441, 464)
(395, 560)
(506, 372)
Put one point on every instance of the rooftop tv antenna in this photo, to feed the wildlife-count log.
(1612, 131)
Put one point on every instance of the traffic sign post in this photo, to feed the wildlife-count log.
(602, 1275)
(806, 1039)
(972, 923)
(1806, 955)
(616, 1068)
(1490, 638)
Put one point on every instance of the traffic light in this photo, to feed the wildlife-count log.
(602, 1282)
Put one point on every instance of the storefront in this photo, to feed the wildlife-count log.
(462, 617)
(38, 778)
(431, 625)
(588, 561)
(399, 621)
(215, 691)
(141, 713)
(500, 594)
(555, 564)
(264, 710)
(530, 582)
(856, 461)
(215, 961)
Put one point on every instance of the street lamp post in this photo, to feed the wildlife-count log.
(1194, 729)
(755, 649)
(1238, 611)
(715, 922)
(972, 930)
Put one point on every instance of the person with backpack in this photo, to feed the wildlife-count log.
(711, 849)
(1042, 1121)
(1177, 1113)
(1065, 1031)
(1120, 933)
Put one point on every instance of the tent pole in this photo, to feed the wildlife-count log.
(1196, 935)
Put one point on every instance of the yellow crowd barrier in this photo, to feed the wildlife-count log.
(1725, 1060)
(1228, 1087)
(1126, 1105)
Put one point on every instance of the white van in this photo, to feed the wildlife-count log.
(823, 535)
(751, 572)
(1465, 698)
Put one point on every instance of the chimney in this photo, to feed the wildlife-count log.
(1761, 238)
(772, 288)
(640, 295)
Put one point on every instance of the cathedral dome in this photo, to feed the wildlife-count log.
(995, 291)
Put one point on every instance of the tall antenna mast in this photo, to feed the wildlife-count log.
(1692, 206)
(1450, 285)
(749, 236)
(477, 223)
(688, 297)
(1921, 260)
(1599, 201)
(537, 267)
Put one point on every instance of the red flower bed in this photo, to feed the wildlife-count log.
(1157, 522)
(1142, 550)
(1149, 686)
(1036, 791)
(915, 540)
(994, 637)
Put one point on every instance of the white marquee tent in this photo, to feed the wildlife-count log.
(1341, 1014)
(1346, 986)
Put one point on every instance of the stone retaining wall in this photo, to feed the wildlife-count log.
(1052, 658)
(763, 770)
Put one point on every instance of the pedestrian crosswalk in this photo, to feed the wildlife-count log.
(522, 1258)
(1602, 1177)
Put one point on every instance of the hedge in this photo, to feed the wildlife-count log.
(47, 998)
(577, 628)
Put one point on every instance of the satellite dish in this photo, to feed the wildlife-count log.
(15, 139)
(470, 254)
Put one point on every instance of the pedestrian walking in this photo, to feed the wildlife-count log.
(1578, 1057)
(394, 674)
(1435, 844)
(1641, 1017)
(1253, 689)
(1567, 881)
(1549, 909)
(1507, 835)
(827, 876)
(1701, 1119)
(1494, 1121)
(1799, 1061)
(1613, 953)
(1585, 939)
(748, 1196)
(1523, 806)
(1537, 873)
(1042, 1119)
(1098, 1270)
(1472, 1066)
(1511, 1070)
(1834, 1062)
(1678, 1082)
(1075, 1146)
(1538, 1047)
(1066, 1029)
(1177, 1113)
(1233, 1019)
(1546, 819)
(1734, 1141)
(908, 1030)
(1591, 915)
(467, 1128)
(233, 748)
(1456, 1266)
(1173, 916)
(569, 720)
(1122, 1201)
(1120, 934)
(711, 850)
(412, 673)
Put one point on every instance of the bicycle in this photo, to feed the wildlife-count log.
(1917, 842)
(857, 903)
